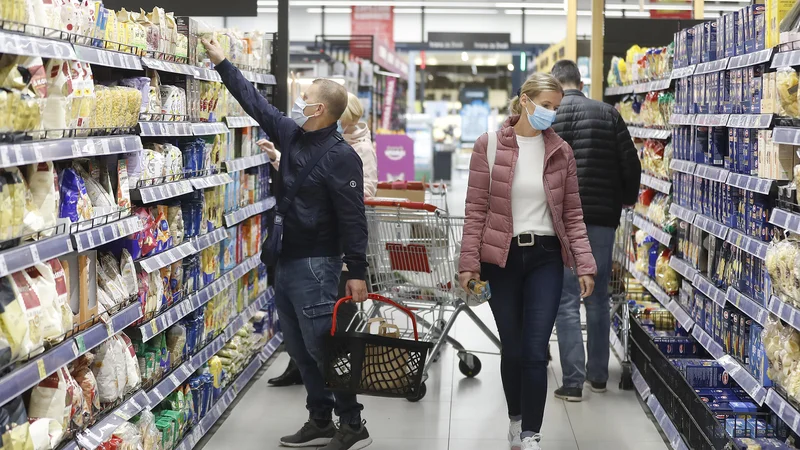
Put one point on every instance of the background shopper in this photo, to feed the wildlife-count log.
(524, 223)
(356, 133)
(608, 175)
(325, 220)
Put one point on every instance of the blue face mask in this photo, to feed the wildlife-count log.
(542, 118)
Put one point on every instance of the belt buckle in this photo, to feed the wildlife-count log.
(526, 244)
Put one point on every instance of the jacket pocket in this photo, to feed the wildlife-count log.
(318, 310)
(321, 268)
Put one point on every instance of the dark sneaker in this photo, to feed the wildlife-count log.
(597, 387)
(350, 437)
(569, 394)
(311, 435)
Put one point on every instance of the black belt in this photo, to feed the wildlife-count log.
(530, 239)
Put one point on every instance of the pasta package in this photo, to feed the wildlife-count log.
(42, 208)
(75, 202)
(787, 81)
(13, 322)
(32, 308)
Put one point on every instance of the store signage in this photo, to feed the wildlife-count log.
(395, 157)
(469, 41)
(375, 21)
(388, 103)
(386, 58)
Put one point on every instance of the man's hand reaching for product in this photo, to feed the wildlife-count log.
(269, 149)
(215, 53)
(587, 285)
(357, 289)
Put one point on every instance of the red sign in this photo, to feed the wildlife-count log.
(667, 13)
(375, 21)
(388, 103)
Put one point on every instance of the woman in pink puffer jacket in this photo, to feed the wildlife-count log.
(523, 224)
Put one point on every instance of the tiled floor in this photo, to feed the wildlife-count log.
(457, 413)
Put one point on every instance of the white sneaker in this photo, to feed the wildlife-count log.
(532, 443)
(514, 430)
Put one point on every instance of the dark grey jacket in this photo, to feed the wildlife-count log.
(609, 171)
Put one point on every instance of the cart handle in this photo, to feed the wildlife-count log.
(408, 185)
(378, 298)
(402, 204)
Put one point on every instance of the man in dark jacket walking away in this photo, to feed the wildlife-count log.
(325, 220)
(608, 176)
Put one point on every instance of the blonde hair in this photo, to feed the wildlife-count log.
(354, 111)
(535, 84)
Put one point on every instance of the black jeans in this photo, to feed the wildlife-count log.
(525, 299)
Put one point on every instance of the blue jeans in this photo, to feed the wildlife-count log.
(306, 289)
(525, 297)
(598, 317)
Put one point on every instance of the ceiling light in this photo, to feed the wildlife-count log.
(267, 10)
(478, 61)
(491, 62)
(510, 67)
(432, 61)
(418, 61)
(267, 3)
(464, 56)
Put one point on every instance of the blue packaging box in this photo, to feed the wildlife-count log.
(710, 43)
(740, 31)
(675, 345)
(743, 407)
(759, 27)
(704, 373)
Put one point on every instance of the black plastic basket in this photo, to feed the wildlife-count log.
(363, 363)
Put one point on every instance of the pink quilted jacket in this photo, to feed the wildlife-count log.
(489, 227)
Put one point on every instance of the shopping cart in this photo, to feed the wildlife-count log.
(431, 193)
(412, 252)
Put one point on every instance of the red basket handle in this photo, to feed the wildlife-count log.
(402, 204)
(408, 185)
(378, 298)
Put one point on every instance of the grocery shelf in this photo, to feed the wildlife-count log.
(711, 120)
(680, 165)
(108, 58)
(180, 310)
(712, 173)
(786, 59)
(710, 226)
(649, 133)
(685, 214)
(166, 66)
(683, 268)
(159, 192)
(248, 211)
(682, 119)
(711, 66)
(31, 152)
(681, 315)
(656, 183)
(746, 381)
(639, 383)
(94, 436)
(785, 219)
(651, 286)
(750, 183)
(749, 244)
(241, 122)
(714, 349)
(207, 240)
(786, 135)
(210, 181)
(246, 162)
(652, 229)
(30, 373)
(705, 286)
(20, 258)
(750, 59)
(165, 129)
(26, 45)
(683, 72)
(616, 345)
(784, 311)
(167, 257)
(204, 426)
(672, 434)
(209, 128)
(206, 74)
(784, 409)
(618, 90)
(761, 121)
(103, 234)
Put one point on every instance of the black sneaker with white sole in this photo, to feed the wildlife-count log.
(311, 435)
(350, 437)
(569, 394)
(597, 387)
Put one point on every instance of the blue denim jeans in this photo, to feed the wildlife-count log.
(306, 289)
(574, 365)
(525, 297)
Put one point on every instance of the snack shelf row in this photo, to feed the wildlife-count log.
(723, 120)
(31, 152)
(30, 373)
(649, 133)
(683, 213)
(652, 229)
(639, 88)
(735, 62)
(246, 162)
(180, 310)
(657, 183)
(28, 45)
(248, 211)
(204, 426)
(167, 257)
(100, 432)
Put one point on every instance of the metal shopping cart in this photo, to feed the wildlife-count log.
(412, 252)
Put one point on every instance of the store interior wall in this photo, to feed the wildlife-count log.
(304, 26)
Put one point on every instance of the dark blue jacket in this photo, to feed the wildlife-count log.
(327, 216)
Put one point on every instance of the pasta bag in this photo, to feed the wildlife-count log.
(13, 322)
(787, 92)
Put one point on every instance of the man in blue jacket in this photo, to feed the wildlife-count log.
(325, 220)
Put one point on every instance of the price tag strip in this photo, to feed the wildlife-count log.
(241, 122)
(157, 193)
(712, 173)
(786, 312)
(683, 268)
(680, 315)
(786, 59)
(652, 229)
(749, 244)
(711, 226)
(238, 164)
(249, 211)
(786, 135)
(210, 181)
(746, 381)
(95, 237)
(26, 45)
(21, 258)
(657, 184)
(167, 257)
(683, 166)
(210, 128)
(761, 121)
(708, 343)
(707, 287)
(682, 119)
(60, 149)
(783, 409)
(750, 59)
(683, 72)
(711, 66)
(207, 240)
(159, 129)
(785, 219)
(639, 383)
(108, 58)
(750, 183)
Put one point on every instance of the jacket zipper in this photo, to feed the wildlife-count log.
(571, 257)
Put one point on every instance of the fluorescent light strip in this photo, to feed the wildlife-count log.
(445, 11)
(411, 4)
(329, 10)
(268, 10)
(267, 3)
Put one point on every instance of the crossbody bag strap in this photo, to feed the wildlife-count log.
(290, 193)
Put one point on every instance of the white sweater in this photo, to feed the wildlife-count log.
(528, 197)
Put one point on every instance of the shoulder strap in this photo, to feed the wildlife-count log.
(291, 192)
(491, 153)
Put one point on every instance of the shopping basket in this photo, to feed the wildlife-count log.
(358, 362)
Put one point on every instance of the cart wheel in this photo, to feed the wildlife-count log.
(421, 393)
(469, 365)
(626, 382)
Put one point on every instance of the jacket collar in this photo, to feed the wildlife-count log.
(317, 136)
(571, 92)
(508, 137)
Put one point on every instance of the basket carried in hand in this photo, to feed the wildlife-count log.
(381, 365)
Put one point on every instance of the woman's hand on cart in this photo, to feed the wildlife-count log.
(587, 285)
(357, 289)
(465, 277)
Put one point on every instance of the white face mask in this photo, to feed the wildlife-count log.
(298, 111)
